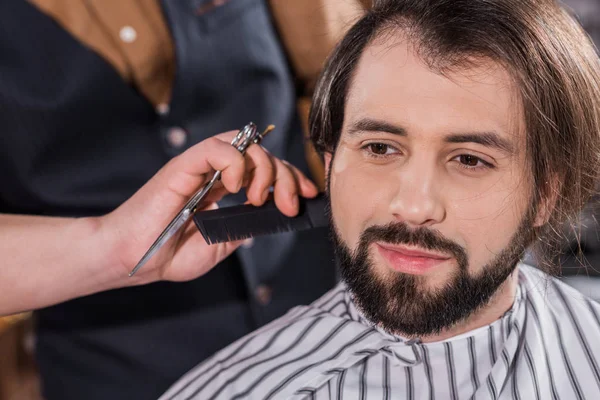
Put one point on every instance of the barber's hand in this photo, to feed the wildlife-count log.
(136, 224)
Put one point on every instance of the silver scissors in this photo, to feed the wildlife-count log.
(244, 138)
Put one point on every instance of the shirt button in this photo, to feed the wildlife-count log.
(176, 137)
(263, 294)
(162, 109)
(127, 34)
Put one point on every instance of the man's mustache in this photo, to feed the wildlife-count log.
(399, 233)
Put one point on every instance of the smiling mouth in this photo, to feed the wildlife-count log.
(410, 260)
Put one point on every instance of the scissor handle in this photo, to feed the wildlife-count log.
(245, 137)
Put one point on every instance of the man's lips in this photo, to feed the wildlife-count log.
(413, 252)
(410, 260)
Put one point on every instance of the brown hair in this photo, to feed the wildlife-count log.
(552, 61)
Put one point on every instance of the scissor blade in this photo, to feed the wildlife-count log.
(181, 218)
(167, 234)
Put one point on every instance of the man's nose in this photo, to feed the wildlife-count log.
(418, 200)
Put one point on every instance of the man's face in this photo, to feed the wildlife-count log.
(428, 188)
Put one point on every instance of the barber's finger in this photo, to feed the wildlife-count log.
(214, 195)
(285, 189)
(306, 186)
(209, 156)
(260, 171)
(227, 137)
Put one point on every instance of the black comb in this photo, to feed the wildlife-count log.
(246, 221)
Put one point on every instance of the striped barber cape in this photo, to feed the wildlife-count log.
(547, 346)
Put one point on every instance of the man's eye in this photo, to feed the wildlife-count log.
(471, 162)
(380, 149)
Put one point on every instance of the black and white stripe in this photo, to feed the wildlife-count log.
(545, 347)
(473, 363)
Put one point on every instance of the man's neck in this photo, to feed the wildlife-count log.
(500, 303)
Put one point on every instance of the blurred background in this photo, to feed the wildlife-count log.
(580, 265)
(580, 261)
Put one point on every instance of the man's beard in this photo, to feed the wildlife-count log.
(401, 303)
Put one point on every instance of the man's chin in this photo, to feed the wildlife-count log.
(409, 305)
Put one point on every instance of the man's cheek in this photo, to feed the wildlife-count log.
(354, 205)
(483, 238)
(478, 209)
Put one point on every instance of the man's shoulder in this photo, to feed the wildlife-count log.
(539, 282)
(558, 302)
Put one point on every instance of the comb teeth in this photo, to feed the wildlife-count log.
(246, 221)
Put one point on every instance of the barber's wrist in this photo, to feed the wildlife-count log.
(102, 248)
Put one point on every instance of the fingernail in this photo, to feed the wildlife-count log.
(265, 195)
(295, 201)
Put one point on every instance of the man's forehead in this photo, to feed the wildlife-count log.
(393, 83)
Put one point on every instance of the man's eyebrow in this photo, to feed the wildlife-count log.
(487, 139)
(374, 125)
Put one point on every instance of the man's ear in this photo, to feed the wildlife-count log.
(548, 202)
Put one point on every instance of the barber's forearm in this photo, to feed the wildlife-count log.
(46, 260)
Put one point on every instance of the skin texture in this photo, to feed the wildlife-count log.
(475, 195)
